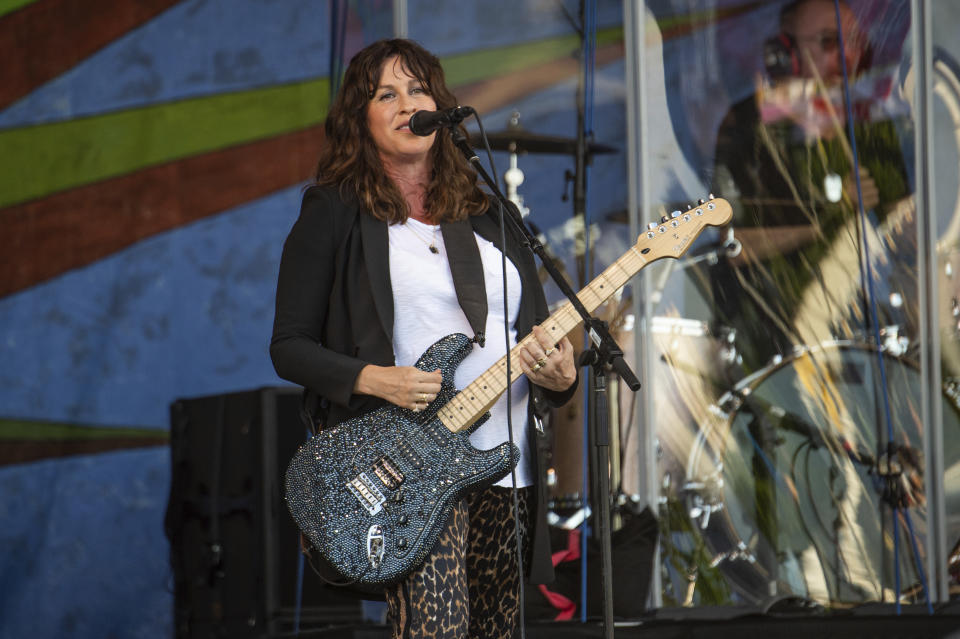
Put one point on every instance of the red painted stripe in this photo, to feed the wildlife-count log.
(17, 451)
(48, 37)
(47, 237)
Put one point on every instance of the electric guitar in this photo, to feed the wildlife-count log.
(372, 494)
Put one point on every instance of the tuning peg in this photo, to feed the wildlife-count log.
(675, 214)
(700, 202)
(689, 206)
(652, 226)
(710, 196)
(664, 219)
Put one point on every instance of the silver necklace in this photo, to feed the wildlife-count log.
(430, 243)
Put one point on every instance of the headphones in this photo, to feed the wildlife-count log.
(781, 57)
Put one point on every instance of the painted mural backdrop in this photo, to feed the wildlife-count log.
(152, 155)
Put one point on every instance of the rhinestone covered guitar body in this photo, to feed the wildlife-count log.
(372, 494)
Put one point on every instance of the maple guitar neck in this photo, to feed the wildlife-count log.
(669, 238)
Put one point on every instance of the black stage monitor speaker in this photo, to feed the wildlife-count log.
(633, 547)
(234, 549)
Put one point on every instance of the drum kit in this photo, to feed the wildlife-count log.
(771, 479)
(784, 473)
(776, 478)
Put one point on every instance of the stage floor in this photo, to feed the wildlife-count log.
(873, 622)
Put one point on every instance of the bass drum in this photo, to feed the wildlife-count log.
(782, 482)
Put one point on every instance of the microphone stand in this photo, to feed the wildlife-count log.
(602, 356)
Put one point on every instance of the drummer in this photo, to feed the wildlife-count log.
(791, 182)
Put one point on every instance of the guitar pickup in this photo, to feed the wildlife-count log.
(410, 454)
(388, 473)
(366, 493)
(433, 431)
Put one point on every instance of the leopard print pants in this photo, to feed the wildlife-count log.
(469, 585)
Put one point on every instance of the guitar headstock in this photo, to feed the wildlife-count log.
(673, 235)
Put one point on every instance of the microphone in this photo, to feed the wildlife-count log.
(426, 122)
(796, 424)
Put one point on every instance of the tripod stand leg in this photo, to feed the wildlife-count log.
(600, 473)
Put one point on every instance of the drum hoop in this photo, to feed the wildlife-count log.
(723, 417)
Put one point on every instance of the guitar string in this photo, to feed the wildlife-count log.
(566, 313)
(628, 267)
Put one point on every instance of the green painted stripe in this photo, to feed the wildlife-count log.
(482, 65)
(40, 160)
(42, 431)
(9, 6)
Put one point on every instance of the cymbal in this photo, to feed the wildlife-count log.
(520, 141)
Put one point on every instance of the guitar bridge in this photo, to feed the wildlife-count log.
(366, 493)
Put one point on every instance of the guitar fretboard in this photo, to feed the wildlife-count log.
(479, 396)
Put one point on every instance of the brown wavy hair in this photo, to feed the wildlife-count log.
(350, 159)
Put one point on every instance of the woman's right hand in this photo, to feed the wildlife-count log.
(405, 386)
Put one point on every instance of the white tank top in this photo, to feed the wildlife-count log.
(425, 309)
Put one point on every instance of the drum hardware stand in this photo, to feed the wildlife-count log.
(513, 177)
(893, 342)
(762, 432)
(729, 248)
(603, 356)
(768, 420)
(888, 466)
(893, 490)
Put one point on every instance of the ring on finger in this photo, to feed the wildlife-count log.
(542, 361)
(549, 351)
(423, 398)
(537, 366)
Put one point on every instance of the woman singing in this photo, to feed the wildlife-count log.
(396, 247)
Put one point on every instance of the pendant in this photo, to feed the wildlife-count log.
(434, 250)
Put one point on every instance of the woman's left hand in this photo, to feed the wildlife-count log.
(548, 364)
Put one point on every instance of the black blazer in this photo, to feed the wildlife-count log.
(334, 315)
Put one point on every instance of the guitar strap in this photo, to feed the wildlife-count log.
(467, 270)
